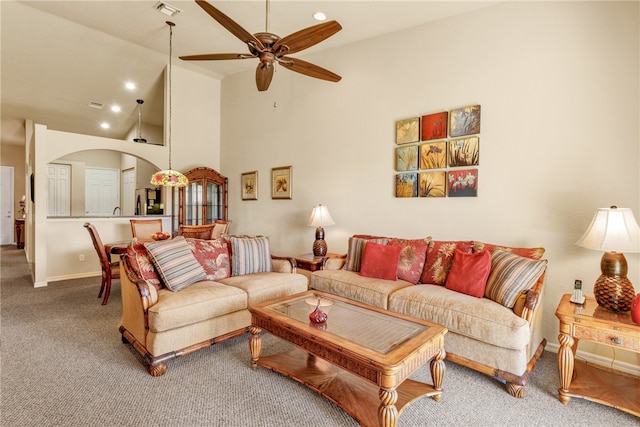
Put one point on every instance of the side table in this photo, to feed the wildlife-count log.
(579, 379)
(308, 263)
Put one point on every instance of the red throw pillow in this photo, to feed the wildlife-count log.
(469, 273)
(413, 254)
(439, 258)
(380, 261)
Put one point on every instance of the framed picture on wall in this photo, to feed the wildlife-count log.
(408, 130)
(281, 186)
(249, 183)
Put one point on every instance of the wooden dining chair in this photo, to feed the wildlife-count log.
(196, 231)
(142, 229)
(110, 270)
(220, 227)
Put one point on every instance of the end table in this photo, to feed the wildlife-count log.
(308, 263)
(579, 379)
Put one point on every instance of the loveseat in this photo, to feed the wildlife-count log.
(183, 295)
(487, 296)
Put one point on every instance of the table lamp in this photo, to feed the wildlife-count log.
(613, 230)
(320, 217)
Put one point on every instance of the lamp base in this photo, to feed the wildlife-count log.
(613, 290)
(319, 246)
(614, 293)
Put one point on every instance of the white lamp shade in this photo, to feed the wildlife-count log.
(612, 230)
(320, 217)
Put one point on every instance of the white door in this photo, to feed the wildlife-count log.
(6, 206)
(101, 191)
(128, 192)
(58, 189)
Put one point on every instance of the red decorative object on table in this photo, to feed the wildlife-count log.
(635, 309)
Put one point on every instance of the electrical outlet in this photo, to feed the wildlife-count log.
(81, 257)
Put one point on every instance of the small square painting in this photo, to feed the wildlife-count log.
(434, 126)
(408, 130)
(463, 183)
(464, 152)
(432, 184)
(433, 155)
(464, 121)
(407, 185)
(407, 158)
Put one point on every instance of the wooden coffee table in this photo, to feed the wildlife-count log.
(360, 358)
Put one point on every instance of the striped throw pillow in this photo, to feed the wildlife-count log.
(511, 275)
(250, 255)
(355, 251)
(175, 262)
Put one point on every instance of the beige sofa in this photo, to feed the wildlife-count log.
(161, 324)
(484, 335)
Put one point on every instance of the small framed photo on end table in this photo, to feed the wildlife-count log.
(250, 185)
(281, 185)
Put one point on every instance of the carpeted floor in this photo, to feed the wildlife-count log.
(63, 364)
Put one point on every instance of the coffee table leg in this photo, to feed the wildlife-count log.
(437, 372)
(387, 412)
(255, 345)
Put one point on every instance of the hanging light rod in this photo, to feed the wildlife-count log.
(140, 138)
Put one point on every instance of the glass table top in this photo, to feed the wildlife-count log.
(376, 331)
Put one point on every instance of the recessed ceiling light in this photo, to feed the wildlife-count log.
(130, 85)
(104, 125)
(116, 108)
(167, 9)
(319, 16)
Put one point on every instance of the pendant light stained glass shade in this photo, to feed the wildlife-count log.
(169, 178)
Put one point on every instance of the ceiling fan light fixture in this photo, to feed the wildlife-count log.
(167, 9)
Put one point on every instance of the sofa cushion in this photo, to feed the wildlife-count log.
(175, 263)
(478, 318)
(354, 252)
(213, 256)
(534, 253)
(200, 301)
(142, 265)
(439, 258)
(511, 275)
(250, 255)
(469, 273)
(380, 261)
(351, 285)
(412, 257)
(261, 287)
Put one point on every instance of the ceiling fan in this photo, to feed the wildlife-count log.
(270, 48)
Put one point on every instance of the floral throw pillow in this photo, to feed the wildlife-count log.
(439, 259)
(533, 253)
(213, 256)
(143, 265)
(413, 254)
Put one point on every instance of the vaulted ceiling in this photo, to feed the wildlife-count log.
(58, 56)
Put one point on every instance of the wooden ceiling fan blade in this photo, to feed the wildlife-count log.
(264, 75)
(307, 37)
(308, 69)
(232, 26)
(215, 56)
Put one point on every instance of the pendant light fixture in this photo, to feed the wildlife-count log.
(169, 177)
(140, 138)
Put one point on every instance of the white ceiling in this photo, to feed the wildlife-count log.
(57, 56)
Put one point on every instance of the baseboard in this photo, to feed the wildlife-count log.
(603, 361)
(72, 276)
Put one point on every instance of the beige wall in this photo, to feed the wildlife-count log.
(558, 84)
